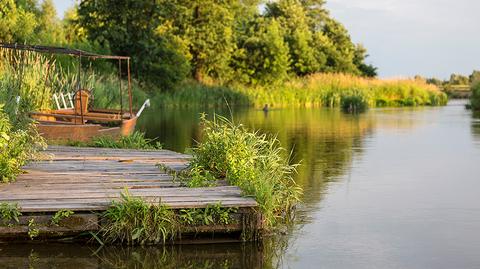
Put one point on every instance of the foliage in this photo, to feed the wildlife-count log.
(475, 97)
(9, 212)
(353, 104)
(222, 40)
(136, 140)
(134, 221)
(60, 215)
(17, 146)
(128, 28)
(33, 231)
(250, 160)
(212, 214)
(319, 90)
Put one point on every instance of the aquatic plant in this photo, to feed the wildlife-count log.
(255, 162)
(33, 231)
(212, 214)
(353, 104)
(134, 221)
(317, 90)
(60, 215)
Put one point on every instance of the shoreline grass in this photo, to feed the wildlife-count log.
(318, 90)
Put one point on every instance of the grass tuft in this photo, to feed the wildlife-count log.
(134, 221)
(255, 162)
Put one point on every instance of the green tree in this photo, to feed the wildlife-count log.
(339, 57)
(474, 77)
(49, 29)
(292, 17)
(206, 31)
(129, 27)
(16, 24)
(456, 79)
(366, 70)
(263, 57)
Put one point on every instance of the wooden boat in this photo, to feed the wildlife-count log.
(75, 119)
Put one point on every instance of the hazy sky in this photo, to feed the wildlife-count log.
(408, 37)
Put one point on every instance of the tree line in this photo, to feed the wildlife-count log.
(249, 41)
(455, 80)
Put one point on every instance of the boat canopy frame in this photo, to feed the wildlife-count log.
(82, 54)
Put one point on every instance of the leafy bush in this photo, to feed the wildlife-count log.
(255, 162)
(9, 213)
(354, 104)
(475, 97)
(17, 146)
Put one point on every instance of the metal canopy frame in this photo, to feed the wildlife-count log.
(81, 54)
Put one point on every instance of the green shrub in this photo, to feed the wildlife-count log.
(255, 162)
(353, 104)
(475, 97)
(17, 147)
(9, 213)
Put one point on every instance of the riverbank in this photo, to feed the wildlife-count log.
(318, 90)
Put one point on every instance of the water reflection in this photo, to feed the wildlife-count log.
(475, 127)
(324, 140)
(413, 146)
(60, 256)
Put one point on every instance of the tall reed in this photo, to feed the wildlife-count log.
(318, 90)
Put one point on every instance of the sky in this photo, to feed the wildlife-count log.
(432, 38)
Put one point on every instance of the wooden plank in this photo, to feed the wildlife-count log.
(88, 179)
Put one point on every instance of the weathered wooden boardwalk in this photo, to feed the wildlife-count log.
(86, 180)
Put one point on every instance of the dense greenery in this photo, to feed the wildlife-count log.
(249, 52)
(223, 40)
(455, 80)
(252, 42)
(134, 221)
(318, 90)
(255, 162)
(18, 144)
(475, 97)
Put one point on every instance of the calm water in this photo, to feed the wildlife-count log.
(391, 188)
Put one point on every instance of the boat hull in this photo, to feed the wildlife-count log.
(54, 131)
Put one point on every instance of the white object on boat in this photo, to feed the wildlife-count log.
(55, 97)
(145, 104)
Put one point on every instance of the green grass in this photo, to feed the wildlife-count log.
(134, 221)
(319, 90)
(255, 162)
(137, 140)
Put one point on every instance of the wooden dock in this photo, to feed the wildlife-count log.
(86, 180)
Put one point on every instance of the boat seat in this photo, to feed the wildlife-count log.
(60, 101)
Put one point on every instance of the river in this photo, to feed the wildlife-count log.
(390, 188)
